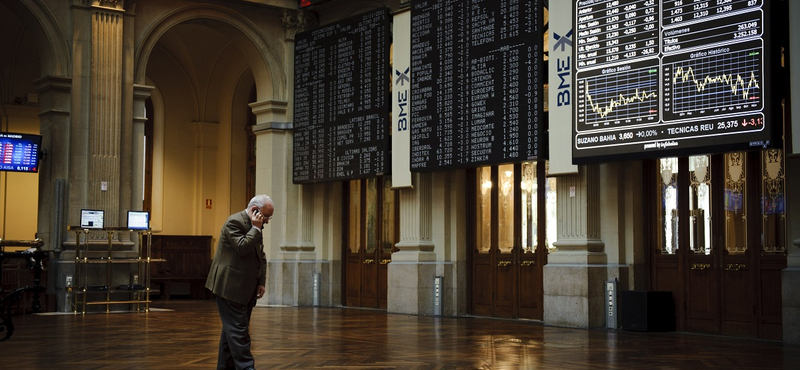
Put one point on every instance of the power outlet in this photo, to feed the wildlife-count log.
(68, 280)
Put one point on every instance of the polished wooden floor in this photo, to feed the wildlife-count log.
(183, 334)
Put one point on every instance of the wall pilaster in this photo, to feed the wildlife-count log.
(575, 272)
(413, 268)
(416, 226)
(205, 156)
(105, 109)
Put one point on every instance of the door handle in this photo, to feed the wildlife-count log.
(369, 261)
(503, 263)
(526, 263)
(735, 267)
(701, 266)
(385, 262)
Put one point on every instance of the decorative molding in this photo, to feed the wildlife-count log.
(109, 4)
(295, 21)
(267, 126)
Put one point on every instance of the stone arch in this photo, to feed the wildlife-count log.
(266, 67)
(55, 56)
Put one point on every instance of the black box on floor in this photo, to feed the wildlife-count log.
(647, 311)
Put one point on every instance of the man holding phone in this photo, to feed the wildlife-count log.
(237, 278)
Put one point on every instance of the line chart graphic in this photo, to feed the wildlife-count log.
(629, 97)
(726, 82)
(738, 85)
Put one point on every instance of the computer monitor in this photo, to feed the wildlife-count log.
(92, 218)
(138, 220)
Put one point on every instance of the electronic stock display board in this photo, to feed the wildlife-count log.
(476, 83)
(671, 78)
(341, 100)
(19, 152)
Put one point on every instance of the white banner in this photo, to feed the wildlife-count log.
(401, 101)
(561, 93)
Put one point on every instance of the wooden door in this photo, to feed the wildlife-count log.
(354, 260)
(506, 258)
(666, 263)
(770, 259)
(371, 233)
(701, 250)
(535, 233)
(484, 260)
(721, 241)
(736, 257)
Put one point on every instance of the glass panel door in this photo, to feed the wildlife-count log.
(508, 220)
(483, 266)
(353, 243)
(773, 238)
(507, 264)
(483, 214)
(735, 206)
(371, 233)
(505, 209)
(528, 188)
(369, 273)
(667, 205)
(531, 253)
(700, 204)
(773, 204)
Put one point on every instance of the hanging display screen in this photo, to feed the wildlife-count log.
(476, 83)
(671, 78)
(341, 101)
(19, 152)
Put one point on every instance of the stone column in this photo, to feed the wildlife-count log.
(575, 272)
(140, 95)
(790, 277)
(137, 152)
(105, 109)
(293, 260)
(54, 123)
(413, 268)
(274, 178)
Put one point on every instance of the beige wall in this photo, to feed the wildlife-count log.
(19, 192)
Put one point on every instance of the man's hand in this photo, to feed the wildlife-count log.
(256, 218)
(261, 290)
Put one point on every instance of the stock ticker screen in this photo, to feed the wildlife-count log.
(341, 100)
(19, 152)
(477, 83)
(666, 78)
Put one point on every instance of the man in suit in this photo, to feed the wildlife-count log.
(238, 278)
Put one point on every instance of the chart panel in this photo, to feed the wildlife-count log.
(623, 95)
(706, 88)
(726, 81)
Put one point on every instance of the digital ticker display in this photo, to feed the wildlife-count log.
(671, 78)
(341, 100)
(19, 152)
(477, 83)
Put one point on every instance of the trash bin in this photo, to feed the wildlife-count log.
(647, 311)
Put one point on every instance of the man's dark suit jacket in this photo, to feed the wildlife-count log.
(239, 264)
